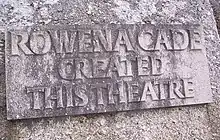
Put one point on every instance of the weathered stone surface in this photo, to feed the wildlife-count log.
(3, 121)
(2, 68)
(57, 71)
(214, 109)
(194, 122)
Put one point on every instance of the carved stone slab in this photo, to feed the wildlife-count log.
(83, 69)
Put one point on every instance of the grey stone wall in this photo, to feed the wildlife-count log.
(216, 11)
(213, 109)
(200, 122)
(3, 122)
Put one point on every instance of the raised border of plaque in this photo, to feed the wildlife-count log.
(84, 69)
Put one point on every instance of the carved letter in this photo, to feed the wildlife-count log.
(99, 93)
(83, 68)
(99, 96)
(81, 94)
(188, 88)
(116, 89)
(175, 90)
(133, 95)
(161, 89)
(126, 67)
(66, 69)
(196, 39)
(55, 95)
(69, 95)
(163, 39)
(157, 66)
(100, 67)
(180, 39)
(144, 67)
(37, 92)
(106, 42)
(149, 90)
(19, 40)
(40, 42)
(146, 38)
(85, 41)
(110, 94)
(115, 67)
(120, 65)
(123, 40)
(48, 97)
(62, 42)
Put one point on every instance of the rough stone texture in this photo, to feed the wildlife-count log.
(213, 109)
(3, 122)
(169, 124)
(195, 122)
(216, 11)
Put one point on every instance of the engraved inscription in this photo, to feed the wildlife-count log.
(90, 41)
(82, 69)
(126, 91)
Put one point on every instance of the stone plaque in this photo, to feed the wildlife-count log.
(83, 69)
